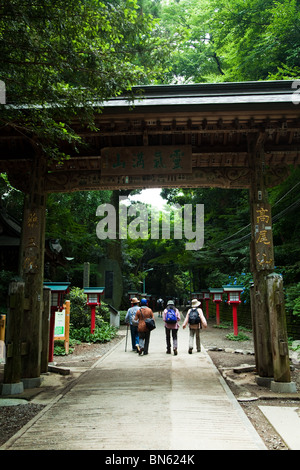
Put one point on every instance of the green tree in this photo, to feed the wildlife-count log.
(194, 57)
(60, 58)
(232, 40)
(256, 37)
(71, 217)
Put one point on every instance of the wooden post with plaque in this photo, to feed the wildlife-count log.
(32, 272)
(262, 266)
(261, 260)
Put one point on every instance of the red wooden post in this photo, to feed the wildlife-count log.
(217, 299)
(93, 318)
(234, 299)
(218, 312)
(93, 300)
(234, 316)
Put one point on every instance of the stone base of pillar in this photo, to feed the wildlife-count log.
(32, 382)
(12, 389)
(264, 381)
(283, 387)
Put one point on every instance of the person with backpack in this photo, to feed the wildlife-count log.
(160, 306)
(171, 317)
(141, 315)
(196, 320)
(129, 319)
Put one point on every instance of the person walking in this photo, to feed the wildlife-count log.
(129, 319)
(160, 306)
(144, 333)
(196, 320)
(171, 317)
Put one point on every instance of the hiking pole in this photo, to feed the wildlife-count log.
(126, 338)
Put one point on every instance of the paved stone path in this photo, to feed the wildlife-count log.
(154, 402)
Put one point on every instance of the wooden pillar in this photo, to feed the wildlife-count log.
(12, 382)
(261, 258)
(32, 272)
(267, 297)
(279, 340)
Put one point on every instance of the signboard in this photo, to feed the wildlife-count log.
(146, 160)
(60, 325)
(263, 237)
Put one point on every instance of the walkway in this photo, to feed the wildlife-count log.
(155, 402)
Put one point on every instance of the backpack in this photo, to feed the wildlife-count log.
(194, 317)
(171, 316)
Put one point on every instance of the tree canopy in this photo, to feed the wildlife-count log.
(231, 40)
(60, 58)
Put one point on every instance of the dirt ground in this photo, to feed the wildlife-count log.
(249, 394)
(227, 356)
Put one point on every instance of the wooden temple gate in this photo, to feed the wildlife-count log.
(229, 135)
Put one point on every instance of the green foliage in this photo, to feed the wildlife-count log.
(293, 348)
(223, 326)
(80, 313)
(59, 347)
(238, 337)
(69, 55)
(80, 319)
(102, 334)
(122, 316)
(231, 40)
(292, 296)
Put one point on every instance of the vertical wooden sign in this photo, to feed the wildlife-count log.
(264, 255)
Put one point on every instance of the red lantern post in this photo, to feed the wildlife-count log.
(234, 293)
(217, 299)
(93, 300)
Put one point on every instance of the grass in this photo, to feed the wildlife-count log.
(239, 337)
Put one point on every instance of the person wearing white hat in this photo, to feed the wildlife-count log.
(196, 320)
(133, 327)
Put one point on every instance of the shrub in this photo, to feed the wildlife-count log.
(238, 337)
(80, 313)
(101, 335)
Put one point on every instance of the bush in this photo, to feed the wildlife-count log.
(101, 335)
(238, 337)
(122, 316)
(80, 321)
(292, 302)
(59, 347)
(80, 313)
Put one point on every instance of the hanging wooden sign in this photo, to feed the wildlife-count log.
(146, 160)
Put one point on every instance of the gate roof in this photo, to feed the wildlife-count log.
(173, 136)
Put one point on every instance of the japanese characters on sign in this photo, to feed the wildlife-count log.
(263, 237)
(146, 160)
(59, 326)
(30, 263)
